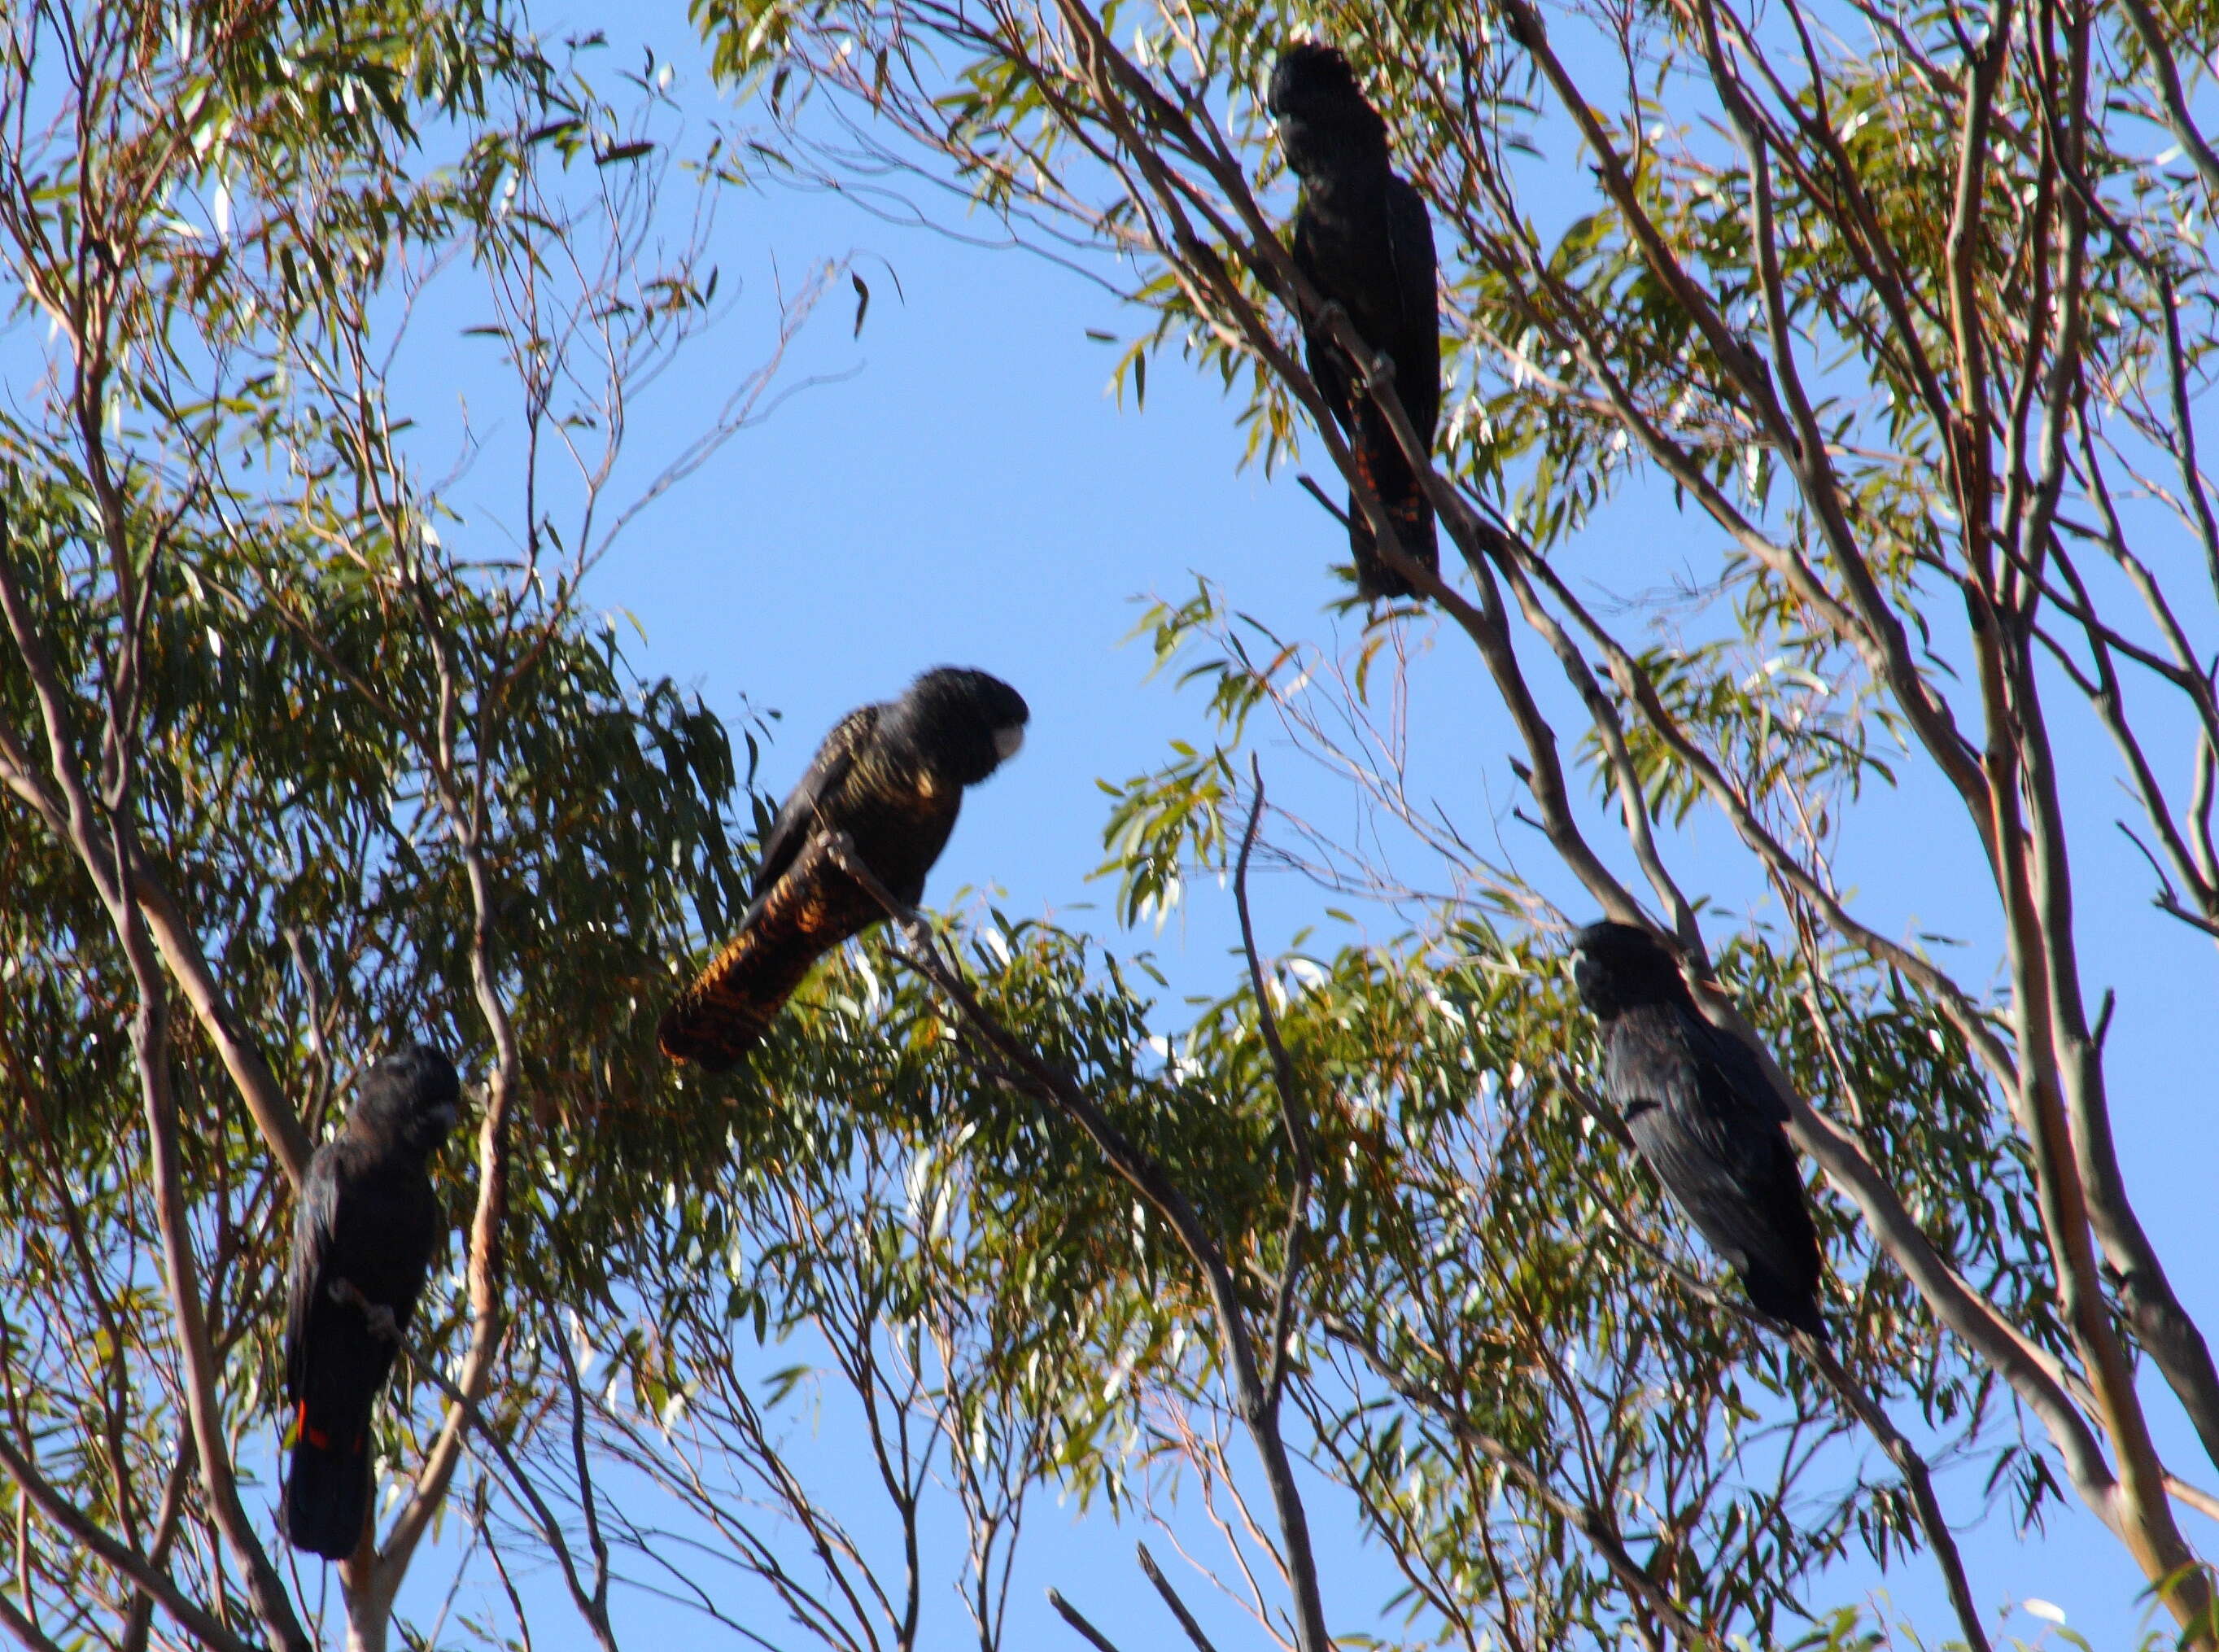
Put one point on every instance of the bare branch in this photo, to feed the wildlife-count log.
(1010, 1062)
(1071, 1614)
(1171, 1599)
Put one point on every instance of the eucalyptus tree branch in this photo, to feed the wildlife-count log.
(1917, 1478)
(2195, 1496)
(2171, 1337)
(1072, 1615)
(106, 851)
(1817, 137)
(13, 1620)
(1746, 368)
(2182, 434)
(1636, 685)
(152, 1580)
(2184, 670)
(71, 816)
(201, 1370)
(1595, 1524)
(2166, 1332)
(1294, 1113)
(139, 1621)
(1960, 272)
(592, 1605)
(2061, 1111)
(1688, 472)
(2034, 1376)
(376, 1579)
(2061, 1078)
(17, 769)
(274, 1115)
(1014, 1065)
(2171, 94)
(1171, 1599)
(595, 1542)
(1633, 805)
(1882, 628)
(85, 831)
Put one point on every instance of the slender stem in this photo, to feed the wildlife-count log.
(1163, 1586)
(1010, 1061)
(1072, 1615)
(590, 1606)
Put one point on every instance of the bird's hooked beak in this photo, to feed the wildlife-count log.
(1008, 742)
(1583, 972)
(474, 1094)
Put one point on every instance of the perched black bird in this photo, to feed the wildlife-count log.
(892, 777)
(367, 1215)
(1364, 239)
(1704, 1116)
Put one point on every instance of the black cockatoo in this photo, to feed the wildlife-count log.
(367, 1214)
(1364, 239)
(892, 777)
(1704, 1116)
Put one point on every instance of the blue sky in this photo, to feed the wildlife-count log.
(963, 489)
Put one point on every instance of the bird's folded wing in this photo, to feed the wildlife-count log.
(1749, 1209)
(796, 817)
(315, 1212)
(1410, 245)
(1711, 1128)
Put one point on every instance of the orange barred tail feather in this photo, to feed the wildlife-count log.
(730, 1006)
(326, 1501)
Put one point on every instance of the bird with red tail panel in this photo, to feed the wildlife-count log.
(1704, 1116)
(1363, 238)
(891, 778)
(367, 1218)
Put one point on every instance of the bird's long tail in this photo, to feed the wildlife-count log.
(730, 1005)
(1785, 1301)
(328, 1489)
(1387, 474)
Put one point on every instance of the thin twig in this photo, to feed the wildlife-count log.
(1011, 1062)
(1594, 1524)
(1916, 1478)
(81, 1528)
(592, 1610)
(1077, 1619)
(1292, 1112)
(1171, 1599)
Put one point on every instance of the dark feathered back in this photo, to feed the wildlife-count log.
(962, 722)
(1616, 966)
(1324, 120)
